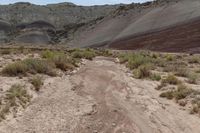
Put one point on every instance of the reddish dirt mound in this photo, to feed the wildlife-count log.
(179, 38)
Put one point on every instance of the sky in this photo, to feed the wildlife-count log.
(78, 2)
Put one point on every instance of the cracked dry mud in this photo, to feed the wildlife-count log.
(101, 97)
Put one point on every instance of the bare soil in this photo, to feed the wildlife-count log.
(101, 97)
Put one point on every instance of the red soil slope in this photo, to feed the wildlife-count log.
(179, 38)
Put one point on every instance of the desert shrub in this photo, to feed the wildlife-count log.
(47, 54)
(6, 51)
(64, 62)
(29, 66)
(182, 72)
(137, 60)
(161, 86)
(197, 71)
(142, 72)
(85, 53)
(61, 60)
(18, 92)
(193, 59)
(156, 77)
(14, 69)
(40, 66)
(195, 108)
(171, 79)
(37, 82)
(192, 78)
(104, 52)
(123, 58)
(160, 62)
(169, 57)
(21, 49)
(14, 97)
(168, 95)
(182, 92)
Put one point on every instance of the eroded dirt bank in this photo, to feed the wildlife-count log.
(101, 97)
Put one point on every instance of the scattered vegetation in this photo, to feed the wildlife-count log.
(15, 96)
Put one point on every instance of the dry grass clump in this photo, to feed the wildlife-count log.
(195, 106)
(169, 57)
(181, 92)
(181, 72)
(168, 95)
(61, 60)
(15, 69)
(137, 60)
(142, 72)
(64, 62)
(104, 52)
(171, 79)
(155, 77)
(32, 66)
(47, 54)
(37, 82)
(15, 96)
(6, 51)
(193, 59)
(192, 78)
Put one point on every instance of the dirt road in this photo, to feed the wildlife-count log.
(101, 97)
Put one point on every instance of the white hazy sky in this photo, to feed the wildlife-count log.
(78, 2)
